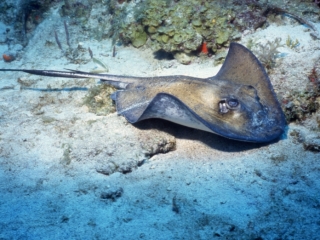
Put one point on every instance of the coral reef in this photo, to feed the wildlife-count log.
(168, 25)
(182, 26)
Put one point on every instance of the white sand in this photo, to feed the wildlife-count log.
(51, 148)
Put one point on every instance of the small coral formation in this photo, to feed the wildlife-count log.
(136, 35)
(266, 53)
(309, 140)
(98, 100)
(300, 105)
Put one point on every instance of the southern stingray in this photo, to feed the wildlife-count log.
(238, 103)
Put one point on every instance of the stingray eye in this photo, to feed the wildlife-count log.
(228, 104)
(232, 103)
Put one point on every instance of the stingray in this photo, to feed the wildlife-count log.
(238, 103)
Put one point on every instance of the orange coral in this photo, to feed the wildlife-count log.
(204, 49)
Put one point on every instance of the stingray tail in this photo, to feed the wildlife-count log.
(119, 82)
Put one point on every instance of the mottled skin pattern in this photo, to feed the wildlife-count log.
(238, 103)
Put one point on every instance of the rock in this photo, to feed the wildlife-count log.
(182, 58)
(112, 194)
(312, 144)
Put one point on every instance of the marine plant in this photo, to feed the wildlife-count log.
(290, 43)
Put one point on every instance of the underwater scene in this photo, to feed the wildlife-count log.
(160, 119)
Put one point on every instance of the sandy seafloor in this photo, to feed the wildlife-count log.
(53, 153)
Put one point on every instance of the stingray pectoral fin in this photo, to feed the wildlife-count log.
(131, 103)
(242, 67)
(162, 105)
(169, 107)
